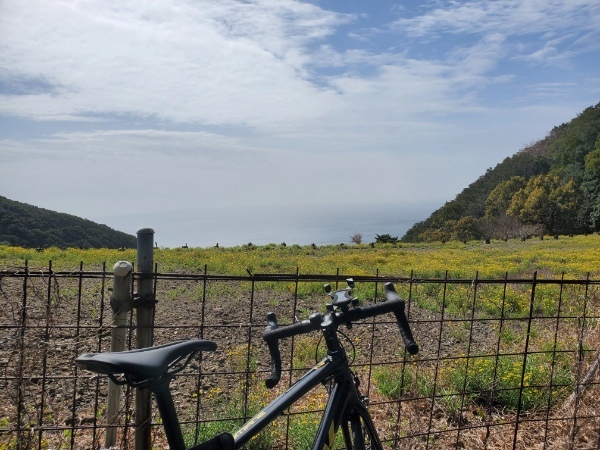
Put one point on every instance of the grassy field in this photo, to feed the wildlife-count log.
(479, 383)
(571, 256)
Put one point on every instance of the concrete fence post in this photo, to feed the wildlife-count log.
(121, 304)
(144, 333)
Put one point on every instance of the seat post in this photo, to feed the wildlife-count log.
(168, 414)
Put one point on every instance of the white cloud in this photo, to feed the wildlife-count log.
(249, 65)
(269, 101)
(208, 62)
(554, 22)
(515, 17)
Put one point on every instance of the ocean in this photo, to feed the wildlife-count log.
(262, 225)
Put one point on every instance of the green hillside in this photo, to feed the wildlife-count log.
(28, 226)
(550, 187)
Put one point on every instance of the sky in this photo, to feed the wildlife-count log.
(117, 110)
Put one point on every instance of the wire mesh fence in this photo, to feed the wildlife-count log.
(504, 363)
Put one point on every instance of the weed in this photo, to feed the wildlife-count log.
(503, 380)
(305, 351)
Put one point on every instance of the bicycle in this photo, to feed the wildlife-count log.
(153, 368)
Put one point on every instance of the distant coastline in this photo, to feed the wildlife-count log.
(321, 225)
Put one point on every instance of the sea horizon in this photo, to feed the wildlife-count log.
(262, 225)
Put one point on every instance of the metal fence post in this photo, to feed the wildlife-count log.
(144, 333)
(121, 304)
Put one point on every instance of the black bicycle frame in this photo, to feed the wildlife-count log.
(343, 395)
(345, 407)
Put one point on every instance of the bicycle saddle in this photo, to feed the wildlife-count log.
(144, 363)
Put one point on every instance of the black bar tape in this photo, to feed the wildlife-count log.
(273, 344)
(405, 331)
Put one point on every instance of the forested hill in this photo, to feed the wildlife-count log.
(550, 187)
(25, 225)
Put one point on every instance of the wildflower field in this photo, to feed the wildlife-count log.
(571, 256)
(474, 367)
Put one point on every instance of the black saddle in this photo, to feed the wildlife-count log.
(146, 363)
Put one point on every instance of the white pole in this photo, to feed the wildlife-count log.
(121, 303)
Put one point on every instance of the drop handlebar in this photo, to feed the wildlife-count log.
(317, 321)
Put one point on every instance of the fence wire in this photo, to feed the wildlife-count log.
(504, 363)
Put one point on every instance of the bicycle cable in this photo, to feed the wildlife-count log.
(350, 360)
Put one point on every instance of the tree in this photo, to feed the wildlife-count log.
(567, 198)
(385, 239)
(356, 238)
(526, 231)
(465, 229)
(486, 227)
(590, 188)
(507, 227)
(592, 161)
(498, 202)
(442, 235)
(548, 202)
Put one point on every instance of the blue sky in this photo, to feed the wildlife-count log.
(109, 109)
